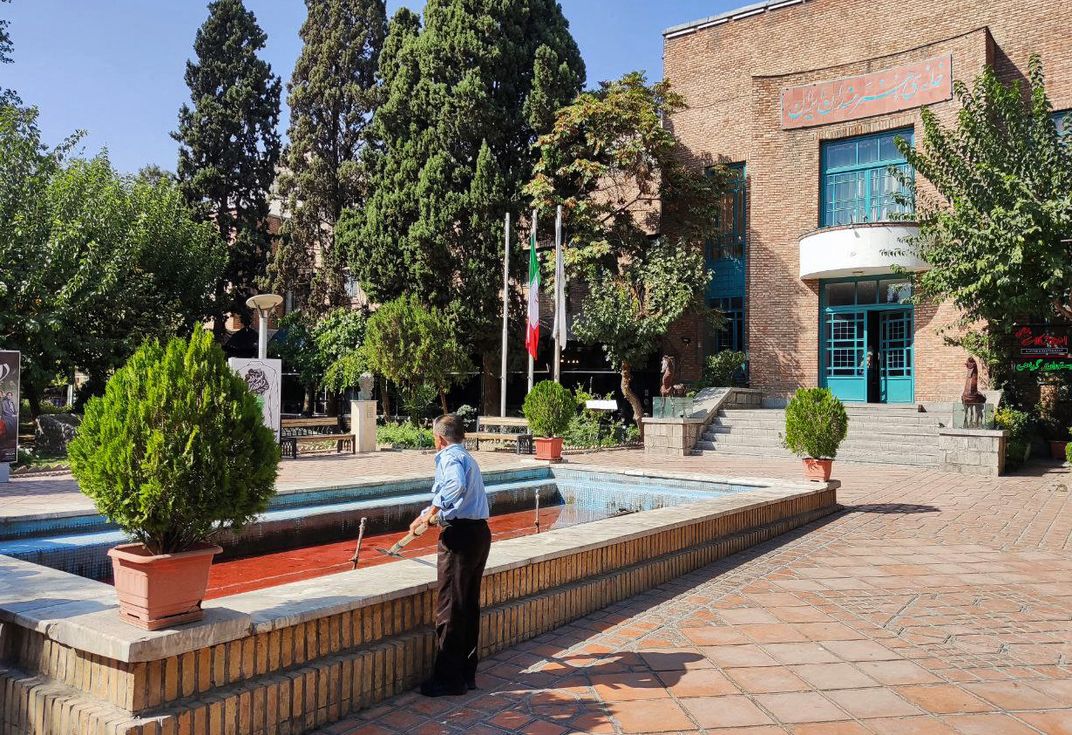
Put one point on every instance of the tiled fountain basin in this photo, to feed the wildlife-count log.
(294, 657)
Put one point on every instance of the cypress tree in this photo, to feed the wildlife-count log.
(465, 98)
(229, 146)
(332, 95)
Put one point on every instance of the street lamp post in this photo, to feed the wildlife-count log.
(263, 303)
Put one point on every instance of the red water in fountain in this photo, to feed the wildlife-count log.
(269, 570)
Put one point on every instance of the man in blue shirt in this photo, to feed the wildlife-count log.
(460, 506)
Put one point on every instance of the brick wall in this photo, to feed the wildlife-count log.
(732, 74)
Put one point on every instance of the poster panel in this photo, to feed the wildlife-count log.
(265, 381)
(9, 405)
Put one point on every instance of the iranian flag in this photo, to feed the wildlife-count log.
(532, 333)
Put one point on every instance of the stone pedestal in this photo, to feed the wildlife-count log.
(671, 437)
(363, 424)
(972, 451)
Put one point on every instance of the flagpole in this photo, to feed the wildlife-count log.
(506, 313)
(532, 244)
(558, 295)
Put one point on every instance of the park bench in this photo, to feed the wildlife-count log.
(507, 430)
(314, 429)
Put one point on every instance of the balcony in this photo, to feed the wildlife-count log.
(857, 250)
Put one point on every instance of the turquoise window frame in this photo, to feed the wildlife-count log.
(730, 242)
(868, 177)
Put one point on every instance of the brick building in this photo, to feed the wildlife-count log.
(804, 98)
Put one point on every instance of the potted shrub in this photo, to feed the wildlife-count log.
(815, 426)
(174, 451)
(549, 408)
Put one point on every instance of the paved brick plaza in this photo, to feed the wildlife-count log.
(935, 603)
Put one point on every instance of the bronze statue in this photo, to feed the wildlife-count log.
(971, 395)
(668, 389)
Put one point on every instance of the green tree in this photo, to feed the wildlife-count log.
(414, 347)
(332, 95)
(176, 449)
(311, 346)
(93, 263)
(617, 172)
(996, 227)
(465, 98)
(229, 147)
(7, 47)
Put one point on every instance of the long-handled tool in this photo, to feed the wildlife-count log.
(405, 540)
(360, 538)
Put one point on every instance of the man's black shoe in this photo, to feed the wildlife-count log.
(432, 688)
(470, 684)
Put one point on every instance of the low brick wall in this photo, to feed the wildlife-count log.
(298, 665)
(972, 451)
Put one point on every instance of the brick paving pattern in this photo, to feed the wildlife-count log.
(934, 603)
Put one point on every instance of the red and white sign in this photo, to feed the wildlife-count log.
(878, 93)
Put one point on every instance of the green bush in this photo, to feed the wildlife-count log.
(815, 424)
(405, 436)
(549, 408)
(176, 448)
(724, 370)
(1018, 444)
(591, 428)
(468, 416)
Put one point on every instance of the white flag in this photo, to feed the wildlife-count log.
(560, 331)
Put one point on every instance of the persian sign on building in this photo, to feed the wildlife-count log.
(9, 406)
(265, 381)
(1042, 348)
(877, 93)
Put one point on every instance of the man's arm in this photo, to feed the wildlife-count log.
(446, 494)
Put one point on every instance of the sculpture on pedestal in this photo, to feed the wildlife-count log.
(668, 388)
(972, 399)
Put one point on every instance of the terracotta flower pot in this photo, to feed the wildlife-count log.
(549, 448)
(163, 590)
(817, 470)
(1057, 449)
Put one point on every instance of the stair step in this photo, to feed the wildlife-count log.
(913, 459)
(849, 445)
(737, 433)
(931, 430)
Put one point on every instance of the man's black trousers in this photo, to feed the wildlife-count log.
(463, 552)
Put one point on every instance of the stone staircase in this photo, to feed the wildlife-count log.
(877, 434)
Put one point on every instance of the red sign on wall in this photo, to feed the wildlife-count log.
(877, 93)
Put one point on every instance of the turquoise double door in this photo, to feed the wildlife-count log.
(866, 349)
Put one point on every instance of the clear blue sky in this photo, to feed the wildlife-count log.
(115, 67)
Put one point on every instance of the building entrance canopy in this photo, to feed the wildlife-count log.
(867, 249)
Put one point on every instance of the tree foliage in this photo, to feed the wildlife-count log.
(549, 408)
(7, 47)
(996, 229)
(332, 95)
(815, 424)
(176, 449)
(617, 172)
(93, 263)
(465, 98)
(229, 147)
(312, 346)
(414, 346)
